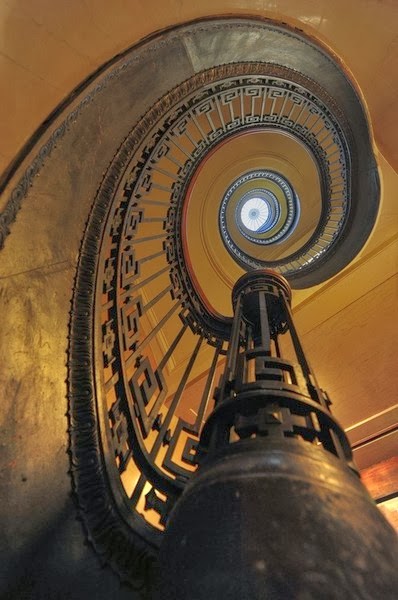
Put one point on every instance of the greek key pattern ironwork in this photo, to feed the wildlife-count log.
(153, 449)
(141, 269)
(136, 305)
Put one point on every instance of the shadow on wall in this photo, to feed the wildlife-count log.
(55, 564)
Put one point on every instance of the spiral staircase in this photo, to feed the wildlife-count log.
(170, 232)
(206, 151)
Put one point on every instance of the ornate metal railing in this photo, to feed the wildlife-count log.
(146, 352)
(143, 287)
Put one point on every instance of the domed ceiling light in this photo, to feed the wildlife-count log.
(267, 120)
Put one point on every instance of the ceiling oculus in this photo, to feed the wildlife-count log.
(255, 214)
(263, 206)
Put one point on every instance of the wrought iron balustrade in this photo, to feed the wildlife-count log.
(146, 351)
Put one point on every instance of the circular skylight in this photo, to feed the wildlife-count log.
(264, 207)
(255, 213)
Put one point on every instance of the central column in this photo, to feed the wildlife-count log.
(276, 508)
